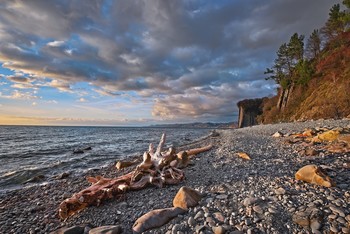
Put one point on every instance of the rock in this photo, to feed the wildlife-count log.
(258, 209)
(199, 228)
(277, 134)
(218, 216)
(310, 152)
(315, 225)
(301, 220)
(156, 218)
(218, 230)
(106, 230)
(214, 134)
(314, 175)
(175, 228)
(70, 230)
(249, 201)
(35, 179)
(191, 222)
(186, 197)
(249, 109)
(330, 135)
(243, 155)
(280, 191)
(337, 210)
(221, 196)
(78, 151)
(62, 176)
(200, 214)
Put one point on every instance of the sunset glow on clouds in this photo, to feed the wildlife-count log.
(141, 62)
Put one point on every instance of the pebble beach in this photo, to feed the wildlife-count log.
(260, 195)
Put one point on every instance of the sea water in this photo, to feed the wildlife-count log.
(27, 152)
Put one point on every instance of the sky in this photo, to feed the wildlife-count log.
(141, 62)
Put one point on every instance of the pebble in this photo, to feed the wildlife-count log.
(337, 210)
(258, 209)
(280, 191)
(199, 215)
(315, 225)
(256, 196)
(219, 216)
(191, 222)
(249, 201)
(175, 228)
(198, 228)
(218, 230)
(221, 196)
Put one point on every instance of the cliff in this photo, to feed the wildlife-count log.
(249, 109)
(325, 95)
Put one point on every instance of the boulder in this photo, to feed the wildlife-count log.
(329, 136)
(186, 197)
(106, 230)
(314, 175)
(155, 218)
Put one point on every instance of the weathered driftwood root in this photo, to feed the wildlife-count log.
(157, 168)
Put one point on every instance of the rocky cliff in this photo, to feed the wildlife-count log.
(249, 109)
(325, 96)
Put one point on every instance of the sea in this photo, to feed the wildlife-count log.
(28, 152)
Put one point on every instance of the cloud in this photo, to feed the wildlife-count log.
(169, 49)
(60, 85)
(20, 95)
(55, 43)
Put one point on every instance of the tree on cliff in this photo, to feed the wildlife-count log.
(335, 23)
(288, 56)
(313, 45)
(346, 16)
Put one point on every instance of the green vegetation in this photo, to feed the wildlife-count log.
(313, 77)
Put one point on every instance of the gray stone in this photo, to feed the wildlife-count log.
(258, 209)
(249, 201)
(272, 210)
(106, 230)
(199, 228)
(70, 230)
(191, 222)
(280, 191)
(200, 214)
(315, 225)
(175, 228)
(221, 196)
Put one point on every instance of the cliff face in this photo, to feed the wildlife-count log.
(249, 109)
(326, 95)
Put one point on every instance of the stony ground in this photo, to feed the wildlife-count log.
(239, 196)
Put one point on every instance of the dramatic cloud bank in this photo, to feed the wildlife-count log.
(135, 61)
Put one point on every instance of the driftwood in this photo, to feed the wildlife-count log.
(157, 168)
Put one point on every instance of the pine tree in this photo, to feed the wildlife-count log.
(335, 23)
(346, 14)
(313, 46)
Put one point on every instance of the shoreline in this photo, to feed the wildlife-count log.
(224, 180)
